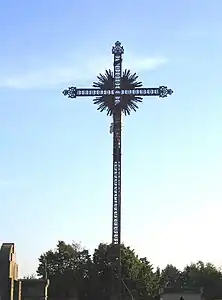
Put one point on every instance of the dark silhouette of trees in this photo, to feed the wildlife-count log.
(71, 269)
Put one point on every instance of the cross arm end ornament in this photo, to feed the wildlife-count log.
(71, 92)
(164, 91)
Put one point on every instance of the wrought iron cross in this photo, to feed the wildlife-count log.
(118, 95)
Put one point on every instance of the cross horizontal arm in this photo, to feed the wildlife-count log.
(73, 92)
(161, 91)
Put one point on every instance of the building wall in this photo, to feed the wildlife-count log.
(34, 289)
(8, 272)
(17, 290)
(12, 288)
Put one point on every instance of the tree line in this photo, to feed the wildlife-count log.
(70, 268)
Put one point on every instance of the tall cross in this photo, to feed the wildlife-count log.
(118, 93)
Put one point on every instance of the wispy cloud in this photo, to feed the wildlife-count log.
(4, 182)
(80, 71)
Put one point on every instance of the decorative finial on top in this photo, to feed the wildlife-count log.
(117, 49)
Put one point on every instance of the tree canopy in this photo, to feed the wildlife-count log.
(71, 269)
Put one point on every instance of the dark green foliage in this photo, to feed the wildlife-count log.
(70, 268)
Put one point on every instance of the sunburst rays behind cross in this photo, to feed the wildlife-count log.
(128, 102)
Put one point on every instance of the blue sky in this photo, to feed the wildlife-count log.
(56, 154)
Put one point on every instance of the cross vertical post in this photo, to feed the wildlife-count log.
(117, 51)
